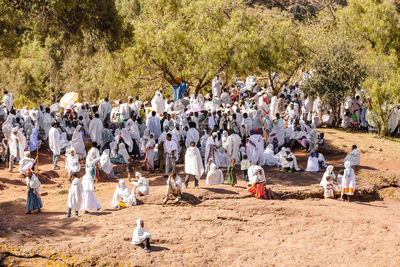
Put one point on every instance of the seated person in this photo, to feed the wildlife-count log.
(174, 187)
(141, 187)
(214, 176)
(312, 163)
(353, 157)
(122, 196)
(106, 165)
(257, 180)
(140, 235)
(321, 160)
(289, 161)
(327, 119)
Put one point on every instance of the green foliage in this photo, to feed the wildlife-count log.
(337, 73)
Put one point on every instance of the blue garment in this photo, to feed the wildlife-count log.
(33, 202)
(178, 91)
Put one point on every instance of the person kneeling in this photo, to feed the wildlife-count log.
(140, 235)
(174, 187)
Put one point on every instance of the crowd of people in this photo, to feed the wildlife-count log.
(238, 126)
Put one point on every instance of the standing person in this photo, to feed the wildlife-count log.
(216, 86)
(149, 153)
(231, 175)
(95, 129)
(17, 144)
(8, 100)
(72, 164)
(33, 201)
(77, 142)
(348, 181)
(193, 164)
(55, 144)
(174, 187)
(170, 154)
(192, 135)
(89, 199)
(140, 235)
(154, 125)
(74, 196)
(212, 150)
(244, 166)
(105, 110)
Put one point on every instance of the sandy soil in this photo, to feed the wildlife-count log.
(219, 226)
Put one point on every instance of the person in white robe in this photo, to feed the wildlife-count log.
(330, 173)
(163, 136)
(214, 176)
(122, 197)
(34, 142)
(26, 163)
(312, 163)
(75, 197)
(89, 199)
(288, 161)
(95, 129)
(246, 125)
(72, 164)
(47, 123)
(278, 131)
(174, 188)
(106, 165)
(193, 164)
(158, 103)
(17, 145)
(353, 157)
(105, 109)
(203, 142)
(55, 144)
(8, 125)
(216, 86)
(192, 135)
(149, 152)
(253, 173)
(212, 150)
(77, 142)
(255, 148)
(92, 159)
(270, 159)
(8, 100)
(141, 187)
(348, 181)
(274, 107)
(170, 154)
(125, 111)
(313, 138)
(154, 125)
(233, 146)
(140, 235)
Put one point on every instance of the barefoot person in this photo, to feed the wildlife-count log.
(89, 199)
(193, 164)
(348, 181)
(33, 201)
(140, 235)
(231, 175)
(174, 187)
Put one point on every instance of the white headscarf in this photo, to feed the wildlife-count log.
(139, 234)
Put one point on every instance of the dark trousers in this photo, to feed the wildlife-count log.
(245, 175)
(188, 176)
(69, 213)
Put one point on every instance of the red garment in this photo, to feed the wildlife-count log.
(258, 190)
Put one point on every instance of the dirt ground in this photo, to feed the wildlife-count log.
(215, 225)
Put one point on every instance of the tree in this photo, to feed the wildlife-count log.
(192, 40)
(337, 73)
(374, 27)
